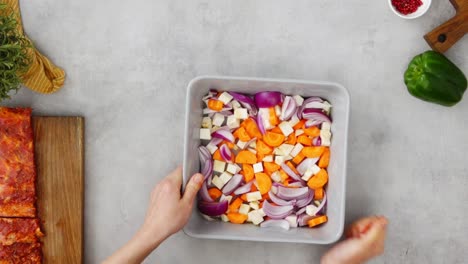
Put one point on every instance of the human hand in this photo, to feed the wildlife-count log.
(365, 240)
(168, 212)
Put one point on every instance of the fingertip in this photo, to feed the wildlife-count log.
(197, 179)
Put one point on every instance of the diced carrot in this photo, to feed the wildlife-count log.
(263, 182)
(299, 125)
(253, 188)
(276, 130)
(244, 197)
(237, 218)
(260, 205)
(304, 140)
(234, 206)
(245, 156)
(265, 196)
(217, 155)
(318, 180)
(286, 182)
(317, 220)
(215, 105)
(270, 167)
(273, 117)
(291, 139)
(298, 159)
(284, 175)
(312, 131)
(252, 129)
(290, 165)
(318, 194)
(242, 134)
(324, 159)
(263, 148)
(313, 152)
(273, 139)
(260, 157)
(248, 172)
(214, 193)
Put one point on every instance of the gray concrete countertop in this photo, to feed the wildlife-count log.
(128, 64)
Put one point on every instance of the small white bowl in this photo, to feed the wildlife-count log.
(421, 10)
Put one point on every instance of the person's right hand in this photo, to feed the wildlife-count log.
(365, 240)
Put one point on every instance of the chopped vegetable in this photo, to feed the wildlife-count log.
(266, 160)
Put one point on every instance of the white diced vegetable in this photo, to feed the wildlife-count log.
(299, 132)
(253, 196)
(307, 175)
(279, 160)
(311, 210)
(205, 133)
(277, 110)
(252, 150)
(258, 167)
(214, 128)
(207, 218)
(294, 120)
(288, 157)
(212, 148)
(236, 104)
(241, 144)
(218, 119)
(326, 107)
(299, 100)
(286, 149)
(225, 177)
(244, 209)
(232, 122)
(315, 169)
(296, 150)
(261, 212)
(219, 166)
(286, 128)
(276, 176)
(268, 158)
(255, 217)
(225, 197)
(253, 144)
(216, 181)
(292, 220)
(265, 116)
(317, 203)
(224, 218)
(225, 98)
(206, 122)
(254, 205)
(325, 136)
(241, 113)
(326, 126)
(233, 168)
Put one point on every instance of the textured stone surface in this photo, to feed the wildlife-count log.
(128, 64)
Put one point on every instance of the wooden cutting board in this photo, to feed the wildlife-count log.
(59, 153)
(446, 35)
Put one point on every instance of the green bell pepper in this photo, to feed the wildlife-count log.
(434, 78)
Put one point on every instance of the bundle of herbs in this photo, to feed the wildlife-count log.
(14, 59)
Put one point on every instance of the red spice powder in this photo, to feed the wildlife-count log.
(406, 6)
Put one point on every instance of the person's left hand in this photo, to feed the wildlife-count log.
(168, 212)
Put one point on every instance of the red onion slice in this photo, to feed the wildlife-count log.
(232, 184)
(260, 123)
(312, 122)
(305, 103)
(302, 203)
(278, 200)
(292, 193)
(276, 223)
(244, 188)
(249, 143)
(213, 209)
(276, 212)
(268, 99)
(317, 141)
(206, 162)
(215, 141)
(223, 133)
(204, 195)
(301, 211)
(290, 172)
(321, 208)
(306, 164)
(315, 114)
(296, 184)
(303, 219)
(288, 109)
(226, 153)
(245, 101)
